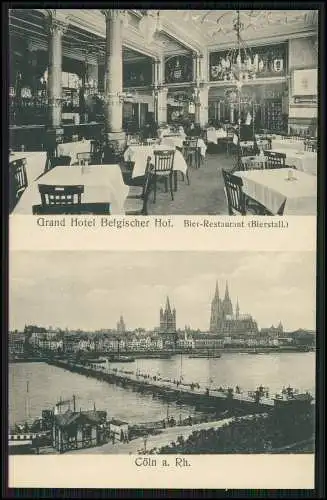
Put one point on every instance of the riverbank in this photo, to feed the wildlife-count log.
(136, 446)
(170, 354)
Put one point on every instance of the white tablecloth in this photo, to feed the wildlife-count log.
(272, 187)
(35, 163)
(139, 155)
(284, 144)
(214, 135)
(72, 148)
(102, 183)
(306, 161)
(173, 140)
(163, 131)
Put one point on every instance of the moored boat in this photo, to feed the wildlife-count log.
(205, 355)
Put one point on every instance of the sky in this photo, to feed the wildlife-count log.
(90, 290)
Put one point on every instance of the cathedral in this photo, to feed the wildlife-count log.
(224, 321)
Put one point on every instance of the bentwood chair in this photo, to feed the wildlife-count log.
(191, 152)
(163, 167)
(88, 158)
(275, 159)
(137, 202)
(234, 194)
(57, 161)
(97, 149)
(310, 145)
(238, 203)
(18, 181)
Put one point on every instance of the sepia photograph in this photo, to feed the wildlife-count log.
(150, 353)
(163, 112)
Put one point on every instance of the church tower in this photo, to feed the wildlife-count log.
(121, 327)
(167, 318)
(227, 303)
(237, 310)
(215, 311)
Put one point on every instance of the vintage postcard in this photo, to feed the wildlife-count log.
(163, 171)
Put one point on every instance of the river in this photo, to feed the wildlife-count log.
(46, 384)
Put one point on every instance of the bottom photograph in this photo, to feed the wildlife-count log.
(161, 352)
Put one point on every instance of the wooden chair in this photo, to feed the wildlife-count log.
(88, 158)
(234, 194)
(238, 202)
(163, 167)
(133, 140)
(18, 181)
(97, 149)
(191, 151)
(229, 139)
(310, 145)
(61, 199)
(151, 141)
(252, 163)
(275, 159)
(136, 203)
(78, 209)
(57, 161)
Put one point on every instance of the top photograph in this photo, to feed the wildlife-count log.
(163, 112)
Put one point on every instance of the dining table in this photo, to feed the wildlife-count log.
(175, 140)
(139, 155)
(272, 187)
(215, 135)
(35, 162)
(72, 148)
(306, 161)
(102, 184)
(284, 144)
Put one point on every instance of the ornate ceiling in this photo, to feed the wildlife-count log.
(213, 27)
(180, 30)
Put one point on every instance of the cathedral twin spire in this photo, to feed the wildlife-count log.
(220, 308)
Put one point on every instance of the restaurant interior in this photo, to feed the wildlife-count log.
(163, 112)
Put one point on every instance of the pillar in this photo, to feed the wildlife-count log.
(160, 92)
(115, 136)
(162, 105)
(56, 27)
(232, 113)
(92, 71)
(56, 24)
(203, 106)
(155, 83)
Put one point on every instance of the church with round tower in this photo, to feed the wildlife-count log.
(225, 321)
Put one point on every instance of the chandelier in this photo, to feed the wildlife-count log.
(238, 65)
(149, 24)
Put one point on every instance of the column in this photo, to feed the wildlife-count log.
(56, 24)
(160, 92)
(155, 83)
(56, 27)
(202, 107)
(162, 105)
(195, 67)
(232, 113)
(115, 136)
